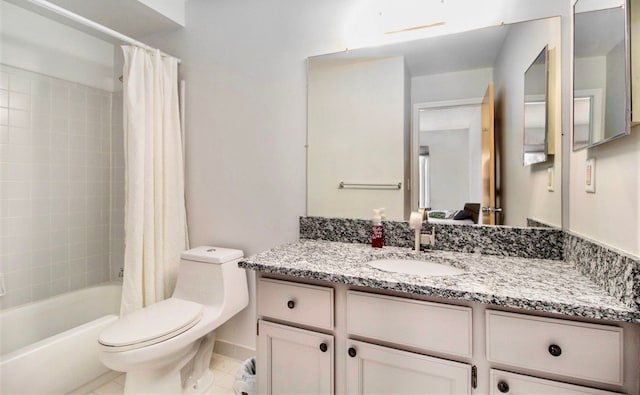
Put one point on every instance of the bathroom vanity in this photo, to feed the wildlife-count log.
(328, 322)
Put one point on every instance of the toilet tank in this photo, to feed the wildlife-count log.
(211, 276)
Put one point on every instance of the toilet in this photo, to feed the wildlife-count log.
(154, 344)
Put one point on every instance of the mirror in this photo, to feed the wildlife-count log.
(384, 120)
(535, 111)
(601, 108)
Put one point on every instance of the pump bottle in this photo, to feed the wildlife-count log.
(377, 234)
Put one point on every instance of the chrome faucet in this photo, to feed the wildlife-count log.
(415, 223)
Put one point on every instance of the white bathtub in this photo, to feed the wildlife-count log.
(50, 346)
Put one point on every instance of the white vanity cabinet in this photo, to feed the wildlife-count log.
(292, 360)
(329, 338)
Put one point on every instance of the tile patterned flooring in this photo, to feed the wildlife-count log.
(112, 383)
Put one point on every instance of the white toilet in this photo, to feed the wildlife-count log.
(154, 344)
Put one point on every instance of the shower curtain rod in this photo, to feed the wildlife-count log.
(94, 25)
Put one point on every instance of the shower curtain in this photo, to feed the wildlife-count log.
(155, 217)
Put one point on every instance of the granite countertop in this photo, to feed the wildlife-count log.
(550, 286)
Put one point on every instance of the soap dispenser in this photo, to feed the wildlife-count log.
(377, 235)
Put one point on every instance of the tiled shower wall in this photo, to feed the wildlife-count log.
(56, 195)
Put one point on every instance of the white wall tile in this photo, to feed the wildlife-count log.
(4, 116)
(17, 261)
(17, 279)
(4, 80)
(41, 291)
(41, 256)
(55, 205)
(16, 190)
(59, 124)
(41, 122)
(19, 83)
(4, 98)
(77, 281)
(41, 105)
(41, 87)
(16, 298)
(20, 101)
(19, 118)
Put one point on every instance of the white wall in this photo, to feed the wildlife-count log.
(35, 43)
(612, 214)
(355, 128)
(523, 191)
(451, 86)
(449, 165)
(245, 66)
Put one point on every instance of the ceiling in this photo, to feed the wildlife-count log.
(132, 18)
(454, 52)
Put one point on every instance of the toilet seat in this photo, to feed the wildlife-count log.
(150, 325)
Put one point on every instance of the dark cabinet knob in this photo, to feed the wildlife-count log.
(323, 347)
(291, 304)
(503, 387)
(352, 352)
(555, 350)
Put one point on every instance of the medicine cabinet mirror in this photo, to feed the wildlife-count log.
(601, 73)
(535, 111)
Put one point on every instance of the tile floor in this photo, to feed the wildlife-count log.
(112, 383)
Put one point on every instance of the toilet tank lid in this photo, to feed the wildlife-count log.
(211, 254)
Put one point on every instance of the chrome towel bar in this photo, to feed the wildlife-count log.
(362, 185)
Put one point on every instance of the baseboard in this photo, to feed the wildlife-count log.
(232, 350)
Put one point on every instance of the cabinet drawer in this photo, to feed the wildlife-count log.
(428, 326)
(300, 303)
(575, 349)
(511, 383)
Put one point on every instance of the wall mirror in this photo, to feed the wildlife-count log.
(601, 108)
(535, 111)
(401, 126)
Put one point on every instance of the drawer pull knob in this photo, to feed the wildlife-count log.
(503, 387)
(323, 347)
(555, 350)
(291, 304)
(352, 352)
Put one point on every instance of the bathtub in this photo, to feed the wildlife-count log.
(50, 346)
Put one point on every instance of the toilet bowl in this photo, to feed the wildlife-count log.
(153, 345)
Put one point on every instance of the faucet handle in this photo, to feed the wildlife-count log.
(415, 221)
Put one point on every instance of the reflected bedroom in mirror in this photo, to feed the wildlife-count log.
(438, 123)
(601, 108)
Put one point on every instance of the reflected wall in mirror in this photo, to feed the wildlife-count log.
(535, 111)
(601, 107)
(411, 111)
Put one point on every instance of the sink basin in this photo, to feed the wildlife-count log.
(412, 266)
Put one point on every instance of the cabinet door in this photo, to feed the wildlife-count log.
(512, 383)
(293, 361)
(375, 369)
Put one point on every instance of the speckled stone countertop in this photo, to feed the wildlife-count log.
(550, 286)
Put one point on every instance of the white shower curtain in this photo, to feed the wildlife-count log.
(155, 217)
